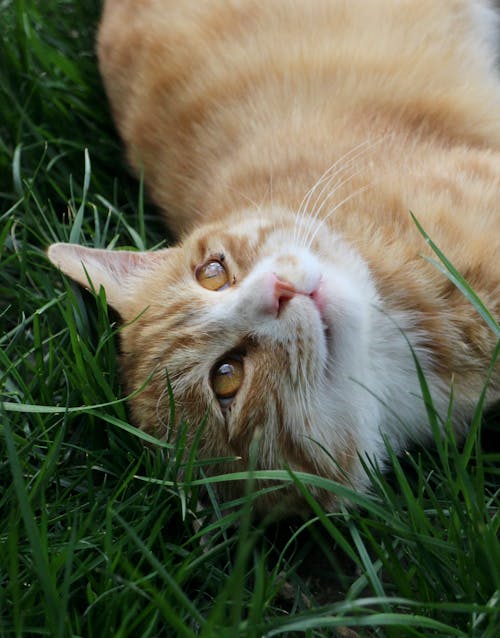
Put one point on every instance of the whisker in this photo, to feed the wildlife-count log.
(325, 181)
(246, 197)
(305, 202)
(315, 215)
(335, 208)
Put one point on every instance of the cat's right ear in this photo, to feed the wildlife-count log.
(114, 270)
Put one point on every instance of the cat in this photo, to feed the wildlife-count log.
(286, 143)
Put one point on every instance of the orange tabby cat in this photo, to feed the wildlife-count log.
(286, 142)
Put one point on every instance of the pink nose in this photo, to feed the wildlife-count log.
(283, 291)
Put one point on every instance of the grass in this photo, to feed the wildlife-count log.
(99, 537)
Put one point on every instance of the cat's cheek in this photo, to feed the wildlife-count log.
(345, 312)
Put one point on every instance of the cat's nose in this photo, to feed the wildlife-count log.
(270, 293)
(283, 291)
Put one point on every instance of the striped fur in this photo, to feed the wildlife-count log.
(292, 137)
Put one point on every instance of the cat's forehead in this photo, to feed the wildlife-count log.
(241, 237)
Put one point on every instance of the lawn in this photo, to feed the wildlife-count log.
(101, 536)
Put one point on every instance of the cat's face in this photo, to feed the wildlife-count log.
(262, 325)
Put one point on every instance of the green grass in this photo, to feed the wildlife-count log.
(99, 537)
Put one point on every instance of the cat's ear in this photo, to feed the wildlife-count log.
(114, 270)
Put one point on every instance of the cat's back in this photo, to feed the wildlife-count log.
(190, 55)
(210, 95)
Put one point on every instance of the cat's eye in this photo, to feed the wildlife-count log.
(227, 377)
(212, 275)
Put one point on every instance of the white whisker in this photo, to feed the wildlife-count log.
(257, 206)
(335, 208)
(315, 215)
(324, 182)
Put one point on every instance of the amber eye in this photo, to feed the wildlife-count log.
(227, 377)
(212, 275)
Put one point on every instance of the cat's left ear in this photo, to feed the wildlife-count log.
(114, 270)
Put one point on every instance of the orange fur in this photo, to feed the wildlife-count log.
(235, 110)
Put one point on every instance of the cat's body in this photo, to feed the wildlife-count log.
(235, 110)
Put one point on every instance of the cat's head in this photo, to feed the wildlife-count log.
(262, 324)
